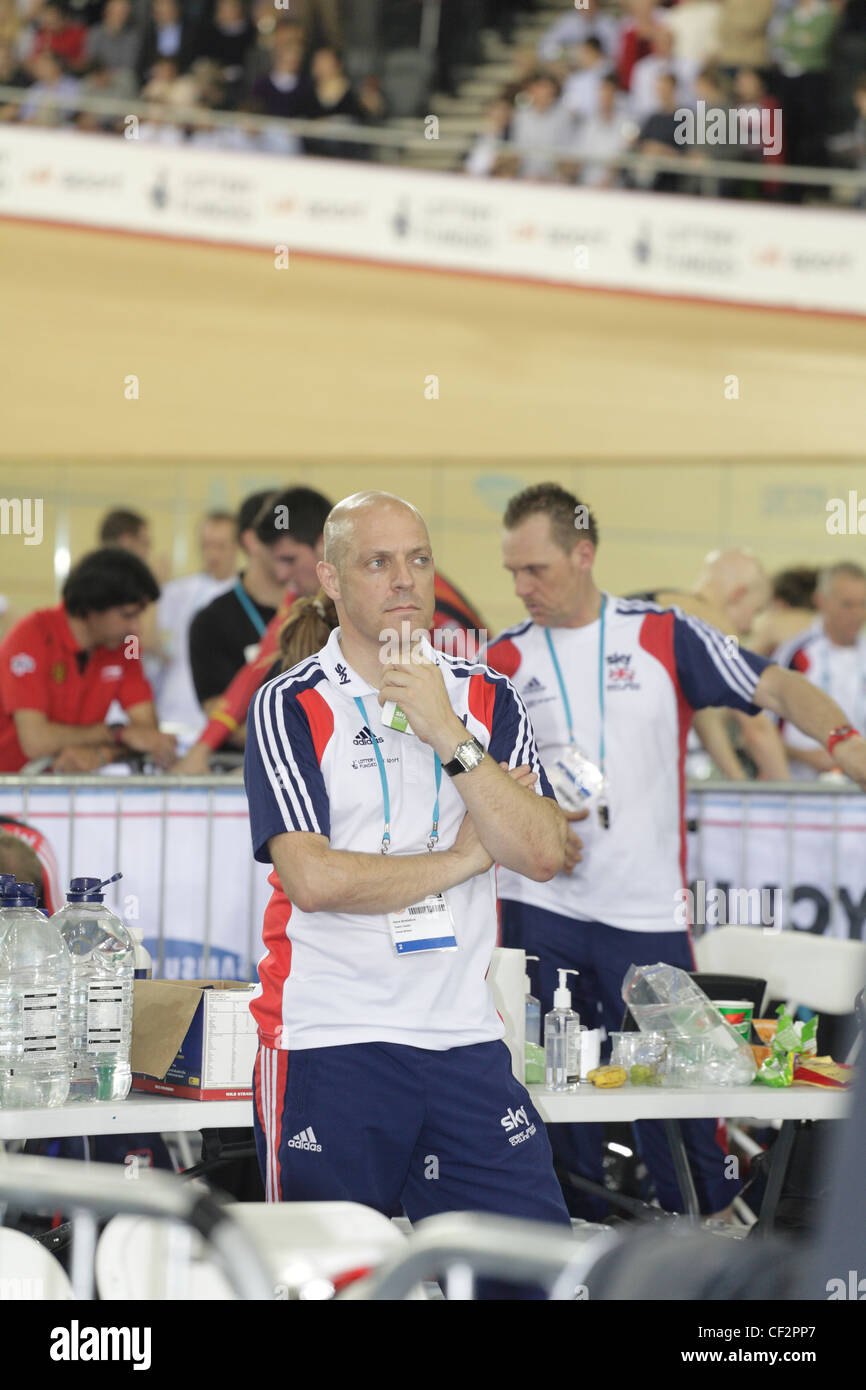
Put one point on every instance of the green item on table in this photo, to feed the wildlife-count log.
(534, 1064)
(790, 1041)
(641, 1075)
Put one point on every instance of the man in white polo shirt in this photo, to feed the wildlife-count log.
(619, 680)
(381, 1075)
(831, 654)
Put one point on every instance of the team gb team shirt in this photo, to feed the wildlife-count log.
(330, 978)
(839, 671)
(659, 665)
(43, 668)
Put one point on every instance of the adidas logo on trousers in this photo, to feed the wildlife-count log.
(305, 1140)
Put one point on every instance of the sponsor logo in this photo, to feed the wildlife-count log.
(111, 673)
(305, 1140)
(342, 672)
(620, 675)
(514, 1119)
(22, 664)
(58, 672)
(366, 737)
(532, 686)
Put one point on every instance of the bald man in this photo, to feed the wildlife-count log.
(382, 1076)
(730, 591)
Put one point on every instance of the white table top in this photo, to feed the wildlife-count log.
(163, 1114)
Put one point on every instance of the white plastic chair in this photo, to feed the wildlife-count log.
(30, 1272)
(823, 973)
(305, 1245)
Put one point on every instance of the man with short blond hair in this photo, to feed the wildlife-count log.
(381, 1075)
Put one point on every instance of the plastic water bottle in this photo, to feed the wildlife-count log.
(7, 883)
(100, 1000)
(34, 1005)
(143, 958)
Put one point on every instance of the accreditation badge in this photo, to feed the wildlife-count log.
(424, 926)
(577, 782)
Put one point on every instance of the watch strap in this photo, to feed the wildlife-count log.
(456, 765)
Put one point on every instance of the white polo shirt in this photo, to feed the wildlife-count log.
(331, 978)
(659, 666)
(839, 671)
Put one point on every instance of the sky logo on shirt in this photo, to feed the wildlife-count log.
(620, 675)
(365, 738)
(342, 672)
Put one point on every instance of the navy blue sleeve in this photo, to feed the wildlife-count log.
(283, 779)
(712, 668)
(512, 738)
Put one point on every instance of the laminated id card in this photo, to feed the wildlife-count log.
(424, 926)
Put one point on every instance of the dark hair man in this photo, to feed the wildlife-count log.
(611, 686)
(62, 669)
(379, 1042)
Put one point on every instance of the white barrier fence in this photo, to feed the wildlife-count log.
(190, 882)
(705, 248)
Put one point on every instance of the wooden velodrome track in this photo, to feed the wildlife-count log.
(245, 370)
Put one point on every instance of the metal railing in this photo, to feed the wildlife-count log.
(388, 140)
(91, 1190)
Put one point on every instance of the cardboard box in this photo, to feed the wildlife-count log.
(193, 1038)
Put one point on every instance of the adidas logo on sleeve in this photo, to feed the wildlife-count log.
(305, 1140)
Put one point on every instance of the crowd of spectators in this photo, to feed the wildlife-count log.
(611, 80)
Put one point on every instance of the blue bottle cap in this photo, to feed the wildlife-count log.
(20, 895)
(85, 890)
(6, 881)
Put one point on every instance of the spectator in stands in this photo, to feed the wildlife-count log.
(60, 35)
(102, 81)
(46, 99)
(574, 27)
(743, 28)
(12, 74)
(180, 600)
(226, 633)
(540, 124)
(227, 40)
(115, 42)
(332, 98)
(694, 25)
(645, 95)
(170, 33)
(790, 611)
(802, 42)
(849, 147)
(284, 91)
(581, 89)
(832, 655)
(637, 37)
(487, 156)
(657, 135)
(320, 21)
(608, 133)
(761, 135)
(64, 669)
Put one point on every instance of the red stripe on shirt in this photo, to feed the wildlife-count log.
(320, 718)
(504, 656)
(482, 698)
(276, 967)
(657, 638)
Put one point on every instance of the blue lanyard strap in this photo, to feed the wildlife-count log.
(564, 693)
(386, 797)
(249, 608)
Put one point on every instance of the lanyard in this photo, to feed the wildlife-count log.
(563, 691)
(386, 798)
(249, 608)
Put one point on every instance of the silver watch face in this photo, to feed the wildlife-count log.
(469, 754)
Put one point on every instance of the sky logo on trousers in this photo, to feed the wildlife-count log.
(306, 1140)
(513, 1119)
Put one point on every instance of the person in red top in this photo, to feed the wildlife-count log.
(62, 669)
(62, 35)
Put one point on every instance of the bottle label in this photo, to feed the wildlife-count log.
(40, 1011)
(572, 1052)
(104, 1015)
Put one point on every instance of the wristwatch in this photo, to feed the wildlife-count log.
(839, 735)
(468, 755)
